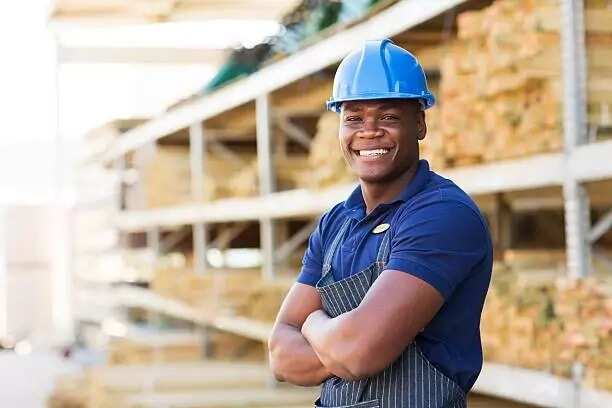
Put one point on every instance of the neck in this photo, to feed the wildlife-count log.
(379, 193)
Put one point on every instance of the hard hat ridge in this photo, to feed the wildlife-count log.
(380, 69)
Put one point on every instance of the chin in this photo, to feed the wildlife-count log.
(375, 177)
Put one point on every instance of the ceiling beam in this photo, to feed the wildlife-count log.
(141, 55)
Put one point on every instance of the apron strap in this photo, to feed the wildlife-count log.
(329, 255)
(384, 248)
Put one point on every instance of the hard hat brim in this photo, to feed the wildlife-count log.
(427, 100)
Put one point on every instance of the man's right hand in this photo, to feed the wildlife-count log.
(292, 359)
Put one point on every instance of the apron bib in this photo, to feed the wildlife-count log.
(410, 381)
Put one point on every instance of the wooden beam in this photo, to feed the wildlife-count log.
(601, 227)
(131, 55)
(225, 237)
(295, 241)
(294, 132)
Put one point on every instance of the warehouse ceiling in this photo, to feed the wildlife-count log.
(161, 31)
(151, 11)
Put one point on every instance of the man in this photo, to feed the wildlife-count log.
(386, 309)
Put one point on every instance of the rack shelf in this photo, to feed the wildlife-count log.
(146, 299)
(498, 380)
(391, 21)
(544, 170)
(580, 162)
(536, 387)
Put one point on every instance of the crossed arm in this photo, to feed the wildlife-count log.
(307, 346)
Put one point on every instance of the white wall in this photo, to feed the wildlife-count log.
(36, 251)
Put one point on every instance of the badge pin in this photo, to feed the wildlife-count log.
(380, 228)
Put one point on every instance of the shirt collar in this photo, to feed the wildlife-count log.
(356, 204)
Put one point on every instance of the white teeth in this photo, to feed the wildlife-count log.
(375, 152)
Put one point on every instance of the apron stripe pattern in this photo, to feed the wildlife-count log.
(411, 381)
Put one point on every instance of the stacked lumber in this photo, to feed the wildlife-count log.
(239, 292)
(234, 122)
(288, 169)
(204, 384)
(226, 292)
(265, 299)
(501, 87)
(327, 164)
(69, 392)
(536, 317)
(225, 346)
(222, 290)
(584, 308)
(130, 351)
(432, 147)
(166, 175)
(305, 96)
(516, 317)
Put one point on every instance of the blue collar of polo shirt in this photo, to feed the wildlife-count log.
(356, 204)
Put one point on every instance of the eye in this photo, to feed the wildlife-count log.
(389, 117)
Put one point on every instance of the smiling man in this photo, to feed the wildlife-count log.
(386, 309)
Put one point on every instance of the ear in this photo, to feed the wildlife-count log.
(421, 126)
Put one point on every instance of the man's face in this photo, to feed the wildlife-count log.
(379, 138)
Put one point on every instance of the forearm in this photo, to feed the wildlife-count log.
(293, 360)
(335, 342)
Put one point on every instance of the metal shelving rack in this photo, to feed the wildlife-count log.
(579, 163)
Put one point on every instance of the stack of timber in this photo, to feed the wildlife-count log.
(536, 317)
(327, 164)
(166, 175)
(155, 349)
(237, 123)
(70, 392)
(501, 87)
(303, 97)
(239, 292)
(584, 308)
(288, 170)
(204, 384)
(432, 147)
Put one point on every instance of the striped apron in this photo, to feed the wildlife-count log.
(410, 381)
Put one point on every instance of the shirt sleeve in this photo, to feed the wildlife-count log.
(312, 262)
(439, 243)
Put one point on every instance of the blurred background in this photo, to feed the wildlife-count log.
(164, 162)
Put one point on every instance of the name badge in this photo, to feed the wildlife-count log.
(380, 228)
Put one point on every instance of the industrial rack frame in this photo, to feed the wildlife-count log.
(578, 163)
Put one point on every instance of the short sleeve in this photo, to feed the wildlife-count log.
(312, 262)
(439, 243)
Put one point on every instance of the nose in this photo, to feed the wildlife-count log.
(370, 129)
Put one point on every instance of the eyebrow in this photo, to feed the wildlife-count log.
(383, 106)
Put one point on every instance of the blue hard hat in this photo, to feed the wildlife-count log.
(380, 70)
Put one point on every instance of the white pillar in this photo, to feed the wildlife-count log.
(266, 182)
(576, 202)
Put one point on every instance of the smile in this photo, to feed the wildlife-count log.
(372, 152)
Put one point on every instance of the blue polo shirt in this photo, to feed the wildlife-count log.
(438, 235)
